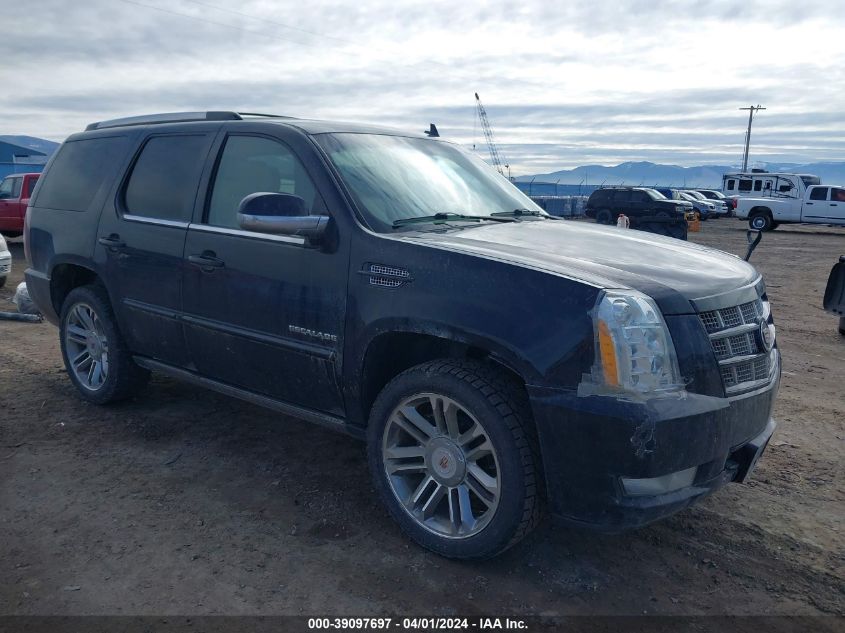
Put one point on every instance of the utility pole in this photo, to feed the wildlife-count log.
(751, 110)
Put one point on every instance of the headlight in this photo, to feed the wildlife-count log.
(634, 351)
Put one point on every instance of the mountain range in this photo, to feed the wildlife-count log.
(650, 174)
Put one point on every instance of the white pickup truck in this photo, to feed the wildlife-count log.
(821, 204)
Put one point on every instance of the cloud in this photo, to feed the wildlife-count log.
(564, 83)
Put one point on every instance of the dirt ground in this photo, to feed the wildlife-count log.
(186, 502)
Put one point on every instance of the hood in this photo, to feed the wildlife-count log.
(673, 272)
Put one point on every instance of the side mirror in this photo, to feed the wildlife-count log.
(280, 214)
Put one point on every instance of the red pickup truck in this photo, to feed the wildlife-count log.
(15, 192)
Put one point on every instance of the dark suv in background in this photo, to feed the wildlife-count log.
(395, 287)
(605, 205)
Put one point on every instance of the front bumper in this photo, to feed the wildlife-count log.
(594, 447)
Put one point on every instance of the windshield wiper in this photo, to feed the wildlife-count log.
(447, 217)
(517, 213)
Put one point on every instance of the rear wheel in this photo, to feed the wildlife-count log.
(96, 357)
(452, 452)
(760, 221)
(604, 216)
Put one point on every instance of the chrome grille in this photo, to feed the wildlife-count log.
(734, 337)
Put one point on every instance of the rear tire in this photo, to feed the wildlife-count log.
(453, 454)
(604, 216)
(760, 221)
(96, 357)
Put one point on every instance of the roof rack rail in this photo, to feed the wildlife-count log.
(169, 117)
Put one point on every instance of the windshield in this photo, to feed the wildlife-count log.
(697, 195)
(396, 177)
(655, 194)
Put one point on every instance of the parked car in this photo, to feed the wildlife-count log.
(716, 197)
(606, 204)
(834, 294)
(394, 287)
(15, 192)
(705, 209)
(820, 205)
(5, 261)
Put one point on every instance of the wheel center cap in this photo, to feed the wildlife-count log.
(446, 462)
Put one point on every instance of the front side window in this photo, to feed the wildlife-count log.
(396, 177)
(253, 164)
(819, 193)
(163, 182)
(6, 188)
(837, 195)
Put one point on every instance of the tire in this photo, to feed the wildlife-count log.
(484, 401)
(842, 326)
(760, 221)
(2, 281)
(12, 234)
(604, 216)
(88, 327)
(775, 225)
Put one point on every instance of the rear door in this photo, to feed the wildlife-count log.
(266, 313)
(836, 206)
(141, 239)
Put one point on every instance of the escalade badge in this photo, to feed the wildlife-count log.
(322, 336)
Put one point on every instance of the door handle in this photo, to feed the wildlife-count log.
(112, 241)
(833, 204)
(207, 260)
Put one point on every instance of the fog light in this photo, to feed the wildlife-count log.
(659, 485)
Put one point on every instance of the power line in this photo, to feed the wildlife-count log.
(224, 25)
(261, 19)
(751, 109)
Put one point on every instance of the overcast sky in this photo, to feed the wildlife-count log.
(565, 83)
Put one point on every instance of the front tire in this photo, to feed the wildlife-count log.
(453, 456)
(96, 358)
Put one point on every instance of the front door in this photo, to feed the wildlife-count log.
(264, 312)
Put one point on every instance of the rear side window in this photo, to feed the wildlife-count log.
(819, 193)
(78, 171)
(163, 182)
(745, 185)
(30, 187)
(758, 185)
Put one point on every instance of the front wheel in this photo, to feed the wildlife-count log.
(96, 358)
(604, 216)
(760, 222)
(453, 456)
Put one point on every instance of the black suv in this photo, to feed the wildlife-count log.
(496, 360)
(638, 203)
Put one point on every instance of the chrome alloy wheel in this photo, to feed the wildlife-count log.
(87, 347)
(441, 465)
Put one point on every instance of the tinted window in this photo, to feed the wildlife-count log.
(622, 196)
(837, 195)
(250, 164)
(758, 185)
(819, 193)
(745, 185)
(163, 183)
(731, 184)
(78, 171)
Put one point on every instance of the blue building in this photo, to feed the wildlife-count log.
(24, 154)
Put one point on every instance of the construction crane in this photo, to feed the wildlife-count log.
(488, 135)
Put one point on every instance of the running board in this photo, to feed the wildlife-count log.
(315, 417)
